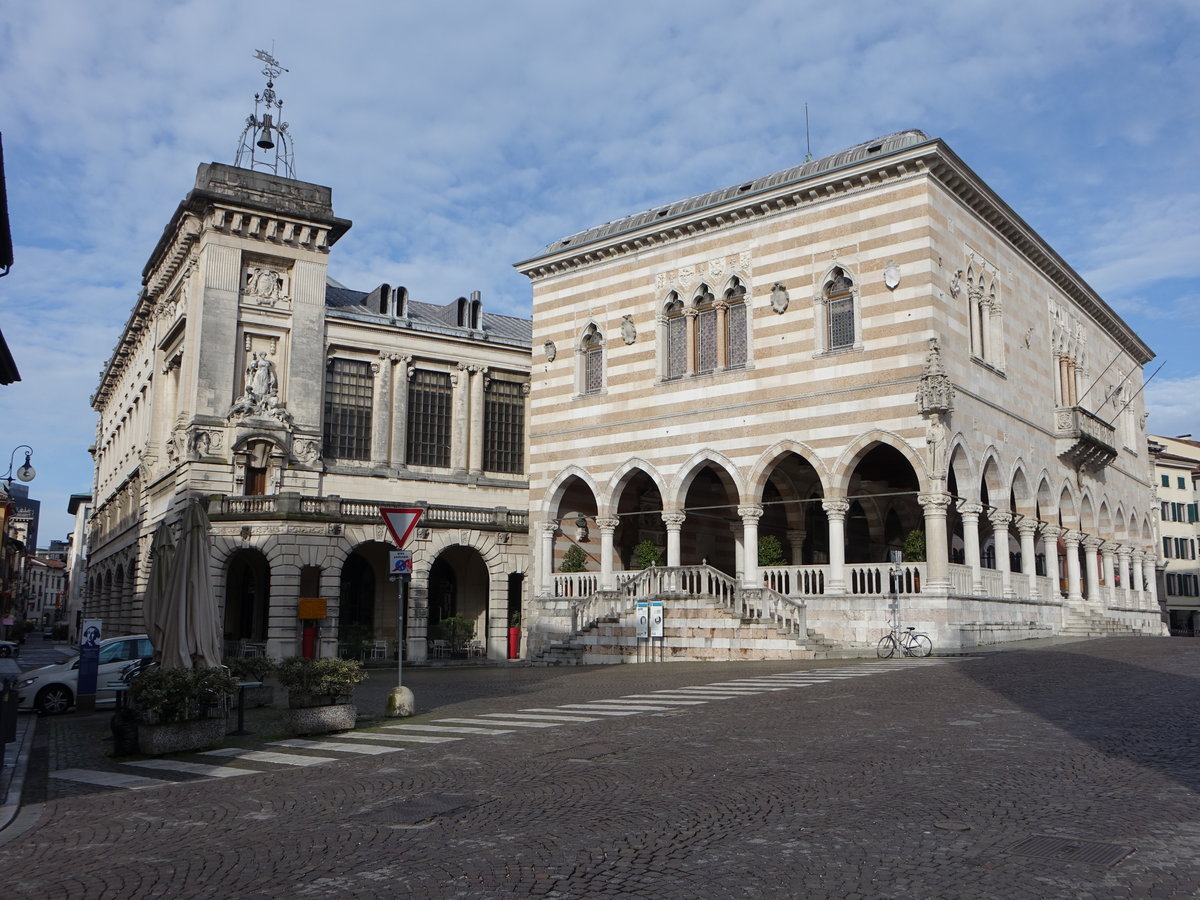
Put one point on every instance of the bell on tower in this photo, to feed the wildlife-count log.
(266, 145)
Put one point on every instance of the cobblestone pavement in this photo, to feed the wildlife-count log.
(949, 780)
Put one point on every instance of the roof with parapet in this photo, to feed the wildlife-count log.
(429, 317)
(881, 145)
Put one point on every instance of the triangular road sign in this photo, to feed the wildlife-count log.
(400, 522)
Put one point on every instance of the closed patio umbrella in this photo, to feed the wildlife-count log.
(157, 597)
(191, 632)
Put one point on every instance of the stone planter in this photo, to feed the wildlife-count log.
(319, 719)
(179, 737)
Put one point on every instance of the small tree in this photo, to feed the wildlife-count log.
(646, 555)
(456, 630)
(914, 546)
(770, 551)
(574, 560)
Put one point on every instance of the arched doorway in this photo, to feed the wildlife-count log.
(459, 585)
(247, 596)
(713, 529)
(367, 602)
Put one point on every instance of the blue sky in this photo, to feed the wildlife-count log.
(462, 137)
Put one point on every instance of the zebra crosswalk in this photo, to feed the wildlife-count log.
(231, 762)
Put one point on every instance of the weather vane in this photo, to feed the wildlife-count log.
(265, 144)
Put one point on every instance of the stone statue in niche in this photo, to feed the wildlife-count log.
(260, 377)
(935, 444)
(261, 397)
(779, 297)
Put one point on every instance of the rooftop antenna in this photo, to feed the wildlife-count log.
(265, 144)
(807, 137)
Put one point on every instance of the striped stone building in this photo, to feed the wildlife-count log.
(865, 354)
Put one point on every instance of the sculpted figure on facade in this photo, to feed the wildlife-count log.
(935, 394)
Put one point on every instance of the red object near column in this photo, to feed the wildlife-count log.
(309, 643)
(514, 643)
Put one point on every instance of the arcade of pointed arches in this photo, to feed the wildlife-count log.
(990, 528)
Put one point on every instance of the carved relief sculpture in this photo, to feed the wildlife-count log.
(935, 394)
(779, 297)
(628, 331)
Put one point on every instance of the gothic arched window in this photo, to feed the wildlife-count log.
(591, 361)
(676, 337)
(735, 324)
(706, 330)
(839, 309)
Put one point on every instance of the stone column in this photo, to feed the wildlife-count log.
(607, 526)
(1152, 581)
(970, 511)
(1090, 546)
(937, 543)
(795, 538)
(1027, 528)
(750, 516)
(1137, 577)
(1050, 535)
(722, 308)
(381, 411)
(458, 425)
(1000, 519)
(475, 418)
(690, 314)
(835, 512)
(1107, 560)
(400, 379)
(549, 529)
(674, 522)
(1123, 553)
(1071, 540)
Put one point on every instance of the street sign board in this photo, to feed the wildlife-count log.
(400, 522)
(400, 562)
(643, 620)
(656, 618)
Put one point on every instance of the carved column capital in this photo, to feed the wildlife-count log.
(1124, 551)
(970, 509)
(607, 523)
(1000, 518)
(836, 508)
(1072, 537)
(750, 512)
(549, 528)
(1051, 531)
(935, 502)
(1027, 526)
(1091, 543)
(674, 520)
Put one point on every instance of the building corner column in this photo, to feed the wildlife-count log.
(937, 542)
(835, 514)
(607, 525)
(750, 516)
(970, 511)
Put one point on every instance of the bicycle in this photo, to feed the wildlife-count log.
(910, 641)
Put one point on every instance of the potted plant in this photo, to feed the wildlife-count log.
(514, 634)
(320, 693)
(574, 560)
(254, 668)
(180, 709)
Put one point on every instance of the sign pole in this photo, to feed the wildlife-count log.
(400, 522)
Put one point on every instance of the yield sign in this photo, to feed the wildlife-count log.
(400, 522)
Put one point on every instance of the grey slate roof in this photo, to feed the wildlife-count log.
(877, 147)
(347, 303)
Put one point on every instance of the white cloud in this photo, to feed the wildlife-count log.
(1174, 406)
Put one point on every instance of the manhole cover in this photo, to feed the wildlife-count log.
(413, 810)
(1071, 850)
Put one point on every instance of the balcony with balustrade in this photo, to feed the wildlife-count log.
(287, 506)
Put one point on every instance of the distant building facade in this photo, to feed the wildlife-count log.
(869, 354)
(296, 407)
(1177, 482)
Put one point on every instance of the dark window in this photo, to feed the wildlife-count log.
(1182, 484)
(1166, 480)
(593, 361)
(706, 340)
(348, 398)
(504, 426)
(429, 401)
(737, 335)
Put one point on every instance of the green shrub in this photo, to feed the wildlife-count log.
(914, 546)
(251, 668)
(770, 551)
(646, 555)
(456, 630)
(179, 695)
(574, 560)
(332, 678)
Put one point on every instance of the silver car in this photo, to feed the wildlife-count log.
(52, 689)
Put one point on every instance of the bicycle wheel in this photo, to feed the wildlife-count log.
(920, 645)
(886, 647)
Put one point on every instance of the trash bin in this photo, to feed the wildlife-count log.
(9, 698)
(124, 732)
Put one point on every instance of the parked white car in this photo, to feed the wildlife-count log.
(9, 648)
(52, 689)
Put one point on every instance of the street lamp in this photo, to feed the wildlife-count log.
(25, 472)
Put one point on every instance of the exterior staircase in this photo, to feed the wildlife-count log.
(1084, 623)
(706, 617)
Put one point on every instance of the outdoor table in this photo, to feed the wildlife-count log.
(242, 685)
